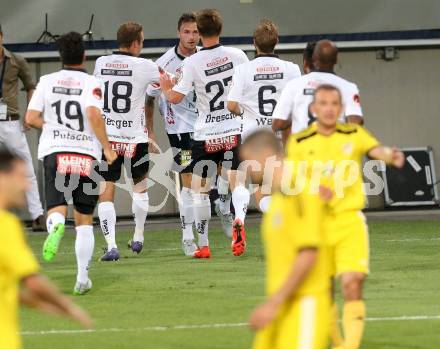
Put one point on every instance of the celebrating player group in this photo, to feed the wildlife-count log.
(225, 116)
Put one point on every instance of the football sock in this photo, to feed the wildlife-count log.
(264, 203)
(186, 208)
(107, 220)
(335, 330)
(240, 200)
(53, 219)
(202, 215)
(353, 321)
(84, 244)
(224, 195)
(140, 211)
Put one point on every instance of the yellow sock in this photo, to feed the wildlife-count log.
(354, 322)
(335, 331)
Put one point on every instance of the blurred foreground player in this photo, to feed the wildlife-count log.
(67, 106)
(20, 280)
(335, 151)
(296, 313)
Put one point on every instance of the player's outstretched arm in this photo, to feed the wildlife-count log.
(97, 123)
(390, 155)
(266, 313)
(34, 119)
(38, 292)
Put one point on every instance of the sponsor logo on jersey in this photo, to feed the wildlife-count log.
(66, 135)
(309, 92)
(217, 61)
(218, 118)
(220, 69)
(69, 82)
(116, 72)
(357, 99)
(221, 144)
(267, 69)
(74, 164)
(274, 76)
(67, 91)
(116, 65)
(127, 150)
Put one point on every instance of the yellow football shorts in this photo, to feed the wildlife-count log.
(303, 324)
(347, 236)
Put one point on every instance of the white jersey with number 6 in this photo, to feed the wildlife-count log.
(62, 98)
(209, 73)
(295, 100)
(125, 80)
(257, 86)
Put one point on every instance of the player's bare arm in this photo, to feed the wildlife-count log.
(281, 125)
(34, 119)
(149, 117)
(97, 123)
(40, 293)
(390, 155)
(234, 108)
(266, 313)
(166, 84)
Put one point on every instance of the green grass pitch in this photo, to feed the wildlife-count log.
(161, 300)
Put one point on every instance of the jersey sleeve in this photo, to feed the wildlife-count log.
(152, 71)
(365, 141)
(15, 255)
(237, 86)
(37, 100)
(153, 90)
(294, 71)
(96, 70)
(283, 109)
(352, 101)
(185, 80)
(94, 94)
(243, 57)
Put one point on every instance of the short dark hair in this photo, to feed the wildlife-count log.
(209, 23)
(308, 52)
(266, 36)
(186, 18)
(71, 48)
(128, 33)
(327, 87)
(7, 159)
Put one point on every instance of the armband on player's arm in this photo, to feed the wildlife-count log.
(391, 156)
(33, 118)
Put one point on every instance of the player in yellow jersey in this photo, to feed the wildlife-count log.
(296, 312)
(19, 278)
(334, 153)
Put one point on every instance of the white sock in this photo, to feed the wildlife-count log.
(140, 211)
(240, 200)
(186, 208)
(107, 219)
(224, 195)
(264, 203)
(84, 244)
(202, 215)
(53, 219)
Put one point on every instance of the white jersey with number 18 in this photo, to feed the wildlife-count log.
(125, 80)
(257, 86)
(63, 98)
(209, 73)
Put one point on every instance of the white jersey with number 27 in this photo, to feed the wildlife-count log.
(125, 80)
(209, 73)
(63, 98)
(257, 86)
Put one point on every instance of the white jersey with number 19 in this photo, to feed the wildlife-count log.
(125, 80)
(63, 98)
(257, 86)
(209, 73)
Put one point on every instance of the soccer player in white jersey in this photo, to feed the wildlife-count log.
(125, 78)
(217, 131)
(179, 121)
(67, 106)
(293, 107)
(257, 85)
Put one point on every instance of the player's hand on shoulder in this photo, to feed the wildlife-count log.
(110, 155)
